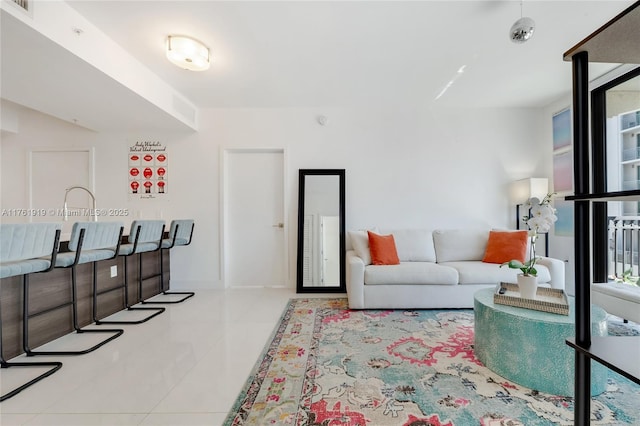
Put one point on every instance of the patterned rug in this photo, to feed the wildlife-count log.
(328, 365)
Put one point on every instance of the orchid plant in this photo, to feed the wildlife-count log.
(539, 220)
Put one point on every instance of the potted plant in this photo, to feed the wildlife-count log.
(540, 218)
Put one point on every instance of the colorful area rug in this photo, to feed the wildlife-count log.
(328, 365)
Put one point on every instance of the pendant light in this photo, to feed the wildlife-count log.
(522, 29)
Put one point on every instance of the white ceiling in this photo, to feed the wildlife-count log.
(39, 74)
(353, 53)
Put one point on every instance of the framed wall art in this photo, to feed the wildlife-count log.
(148, 171)
(563, 172)
(562, 130)
(562, 152)
(564, 211)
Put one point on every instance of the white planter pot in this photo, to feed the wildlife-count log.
(528, 285)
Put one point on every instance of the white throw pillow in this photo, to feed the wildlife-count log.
(454, 245)
(360, 243)
(413, 245)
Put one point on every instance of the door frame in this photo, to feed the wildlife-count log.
(224, 195)
(53, 212)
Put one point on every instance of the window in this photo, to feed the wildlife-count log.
(616, 120)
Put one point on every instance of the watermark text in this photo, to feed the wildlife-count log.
(58, 212)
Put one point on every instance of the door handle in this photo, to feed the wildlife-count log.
(278, 225)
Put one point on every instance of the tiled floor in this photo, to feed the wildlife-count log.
(184, 367)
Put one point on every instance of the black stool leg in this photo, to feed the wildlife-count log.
(53, 367)
(128, 307)
(187, 294)
(74, 304)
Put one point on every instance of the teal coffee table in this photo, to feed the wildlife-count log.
(528, 347)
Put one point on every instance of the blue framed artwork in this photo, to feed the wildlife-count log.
(562, 130)
(563, 172)
(564, 211)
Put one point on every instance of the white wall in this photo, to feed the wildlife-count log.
(404, 168)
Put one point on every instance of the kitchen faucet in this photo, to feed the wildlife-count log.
(94, 212)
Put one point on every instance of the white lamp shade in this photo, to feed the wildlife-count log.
(522, 190)
(187, 53)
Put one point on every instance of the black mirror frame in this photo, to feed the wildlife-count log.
(303, 173)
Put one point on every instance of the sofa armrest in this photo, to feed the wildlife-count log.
(355, 280)
(621, 300)
(556, 270)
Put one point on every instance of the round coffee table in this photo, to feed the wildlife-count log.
(528, 347)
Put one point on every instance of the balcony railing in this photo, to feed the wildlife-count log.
(631, 154)
(624, 247)
(630, 184)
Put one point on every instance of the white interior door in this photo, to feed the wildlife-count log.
(330, 230)
(254, 252)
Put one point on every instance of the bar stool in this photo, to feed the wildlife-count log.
(145, 236)
(23, 248)
(89, 242)
(180, 234)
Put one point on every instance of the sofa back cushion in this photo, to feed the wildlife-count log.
(360, 243)
(452, 245)
(414, 245)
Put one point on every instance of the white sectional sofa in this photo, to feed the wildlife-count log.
(438, 269)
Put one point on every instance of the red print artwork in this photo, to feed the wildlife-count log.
(147, 166)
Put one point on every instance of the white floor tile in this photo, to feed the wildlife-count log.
(184, 419)
(15, 419)
(86, 420)
(183, 367)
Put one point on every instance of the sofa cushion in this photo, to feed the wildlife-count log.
(413, 245)
(360, 243)
(383, 249)
(410, 273)
(453, 245)
(491, 273)
(504, 246)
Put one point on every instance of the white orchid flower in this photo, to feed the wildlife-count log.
(539, 224)
(539, 220)
(532, 202)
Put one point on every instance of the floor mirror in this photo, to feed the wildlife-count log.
(321, 231)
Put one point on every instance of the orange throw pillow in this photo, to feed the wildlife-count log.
(504, 246)
(383, 249)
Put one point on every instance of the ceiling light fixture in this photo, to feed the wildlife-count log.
(187, 53)
(522, 29)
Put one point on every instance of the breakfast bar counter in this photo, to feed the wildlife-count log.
(53, 288)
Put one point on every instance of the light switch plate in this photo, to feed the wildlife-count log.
(114, 271)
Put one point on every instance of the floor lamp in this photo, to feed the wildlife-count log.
(524, 189)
